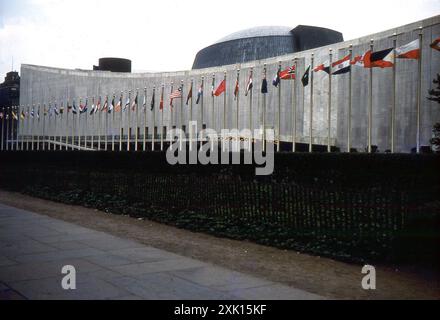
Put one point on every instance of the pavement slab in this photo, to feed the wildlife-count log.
(34, 248)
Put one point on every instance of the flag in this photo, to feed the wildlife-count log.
(127, 103)
(55, 110)
(83, 108)
(93, 108)
(22, 115)
(1, 115)
(221, 88)
(264, 85)
(135, 102)
(341, 66)
(409, 51)
(153, 101)
(175, 94)
(62, 108)
(323, 67)
(199, 93)
(44, 110)
(237, 87)
(144, 103)
(112, 105)
(38, 113)
(14, 115)
(249, 85)
(105, 106)
(276, 79)
(161, 100)
(288, 74)
(118, 105)
(32, 113)
(190, 94)
(435, 44)
(305, 77)
(379, 59)
(358, 60)
(98, 105)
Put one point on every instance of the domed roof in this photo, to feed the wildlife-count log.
(264, 31)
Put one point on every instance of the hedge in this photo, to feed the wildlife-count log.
(355, 207)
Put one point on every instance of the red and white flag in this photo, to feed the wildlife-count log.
(342, 66)
(220, 89)
(409, 51)
(435, 44)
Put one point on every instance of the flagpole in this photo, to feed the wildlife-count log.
(212, 94)
(55, 110)
(120, 120)
(181, 112)
(181, 104)
(136, 120)
(60, 139)
(86, 115)
(67, 125)
(279, 111)
(72, 138)
(3, 127)
(11, 136)
(161, 119)
(28, 124)
(311, 105)
(129, 120)
(18, 125)
(251, 137)
(295, 63)
(113, 122)
(370, 102)
(106, 123)
(32, 126)
(264, 112)
(393, 105)
(94, 110)
(350, 80)
(144, 106)
(201, 108)
(419, 88)
(153, 136)
(22, 127)
(47, 130)
(238, 100)
(171, 114)
(79, 124)
(191, 116)
(329, 120)
(44, 126)
(224, 103)
(7, 127)
(39, 128)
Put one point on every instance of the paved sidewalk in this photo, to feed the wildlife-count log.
(34, 248)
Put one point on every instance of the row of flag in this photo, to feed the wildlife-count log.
(380, 59)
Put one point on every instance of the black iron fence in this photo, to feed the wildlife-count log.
(350, 206)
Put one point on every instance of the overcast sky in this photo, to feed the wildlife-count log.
(165, 35)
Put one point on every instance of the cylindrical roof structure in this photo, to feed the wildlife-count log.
(263, 42)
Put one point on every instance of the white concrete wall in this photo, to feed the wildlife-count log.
(41, 85)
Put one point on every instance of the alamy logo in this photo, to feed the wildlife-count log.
(69, 280)
(369, 281)
(231, 142)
